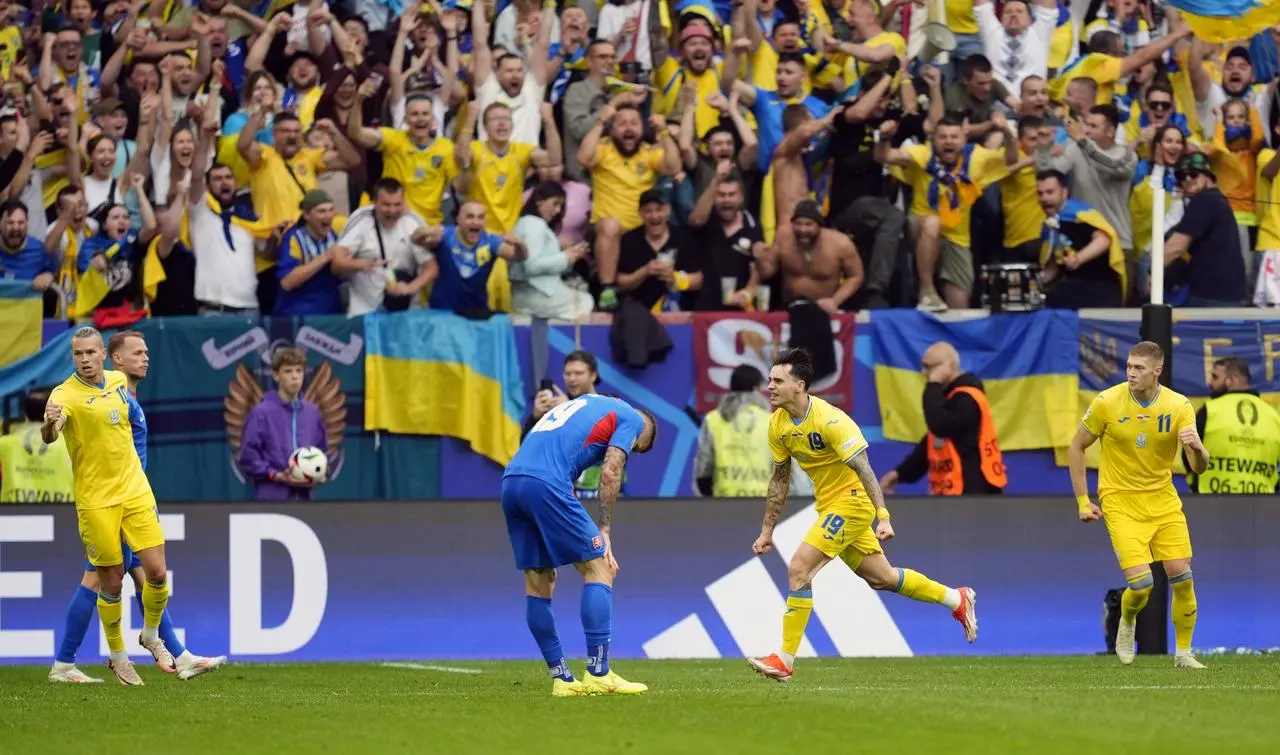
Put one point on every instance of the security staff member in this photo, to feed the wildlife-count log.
(733, 459)
(960, 453)
(1241, 432)
(32, 471)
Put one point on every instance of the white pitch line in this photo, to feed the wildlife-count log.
(424, 667)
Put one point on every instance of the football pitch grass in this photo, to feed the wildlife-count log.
(1075, 705)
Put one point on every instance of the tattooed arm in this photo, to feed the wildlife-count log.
(861, 465)
(779, 487)
(610, 485)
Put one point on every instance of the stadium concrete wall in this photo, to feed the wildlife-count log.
(435, 580)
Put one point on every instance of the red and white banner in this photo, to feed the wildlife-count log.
(725, 340)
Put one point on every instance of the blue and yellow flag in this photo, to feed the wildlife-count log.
(1029, 363)
(1053, 244)
(435, 373)
(21, 325)
(1228, 20)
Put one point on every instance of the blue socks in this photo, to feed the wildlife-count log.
(542, 624)
(597, 623)
(79, 616)
(168, 635)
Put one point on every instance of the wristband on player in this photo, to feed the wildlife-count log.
(1083, 502)
(882, 514)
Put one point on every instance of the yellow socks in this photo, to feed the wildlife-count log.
(1135, 596)
(1183, 610)
(912, 584)
(154, 598)
(799, 606)
(110, 611)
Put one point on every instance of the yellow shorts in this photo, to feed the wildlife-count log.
(1140, 539)
(100, 529)
(844, 532)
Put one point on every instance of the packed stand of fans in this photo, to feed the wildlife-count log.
(242, 156)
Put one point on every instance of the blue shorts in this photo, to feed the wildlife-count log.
(548, 526)
(131, 560)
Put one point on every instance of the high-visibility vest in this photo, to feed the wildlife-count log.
(743, 465)
(946, 477)
(1242, 436)
(32, 471)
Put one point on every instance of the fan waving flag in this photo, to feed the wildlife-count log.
(435, 373)
(21, 329)
(1228, 20)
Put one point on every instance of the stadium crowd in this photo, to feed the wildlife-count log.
(313, 158)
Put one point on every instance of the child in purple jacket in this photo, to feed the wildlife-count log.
(281, 423)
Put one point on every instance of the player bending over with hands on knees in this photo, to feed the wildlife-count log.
(830, 448)
(549, 527)
(1141, 425)
(129, 355)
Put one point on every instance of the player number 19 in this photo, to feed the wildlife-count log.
(558, 416)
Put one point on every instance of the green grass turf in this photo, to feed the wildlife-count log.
(1078, 705)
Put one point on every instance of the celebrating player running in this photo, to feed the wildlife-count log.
(549, 527)
(831, 449)
(1141, 425)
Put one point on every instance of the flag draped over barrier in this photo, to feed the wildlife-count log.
(1228, 20)
(1028, 362)
(435, 373)
(21, 308)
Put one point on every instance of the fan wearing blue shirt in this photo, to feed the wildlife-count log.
(308, 285)
(465, 255)
(768, 106)
(23, 257)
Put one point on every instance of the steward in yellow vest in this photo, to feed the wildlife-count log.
(32, 471)
(1241, 433)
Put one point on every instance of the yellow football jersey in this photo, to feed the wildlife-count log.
(424, 172)
(619, 181)
(99, 437)
(499, 183)
(278, 185)
(1139, 442)
(823, 442)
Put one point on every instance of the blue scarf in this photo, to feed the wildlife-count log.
(943, 175)
(1238, 132)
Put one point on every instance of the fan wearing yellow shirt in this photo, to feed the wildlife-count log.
(947, 176)
(421, 161)
(698, 64)
(877, 47)
(1107, 64)
(1142, 425)
(281, 175)
(1023, 215)
(831, 449)
(621, 169)
(95, 412)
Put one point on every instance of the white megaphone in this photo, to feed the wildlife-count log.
(938, 39)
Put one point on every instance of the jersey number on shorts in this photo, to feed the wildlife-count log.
(558, 416)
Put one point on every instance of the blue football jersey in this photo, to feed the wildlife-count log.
(574, 436)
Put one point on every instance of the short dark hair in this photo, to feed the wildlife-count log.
(1107, 111)
(1028, 122)
(1160, 83)
(388, 186)
(117, 340)
(791, 57)
(285, 117)
(586, 357)
(67, 191)
(745, 378)
(1235, 366)
(290, 356)
(974, 64)
(34, 404)
(1107, 42)
(800, 362)
(954, 120)
(12, 206)
(1055, 175)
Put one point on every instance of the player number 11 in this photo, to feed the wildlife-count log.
(1164, 423)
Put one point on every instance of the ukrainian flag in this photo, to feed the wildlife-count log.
(1029, 363)
(21, 326)
(1228, 20)
(435, 373)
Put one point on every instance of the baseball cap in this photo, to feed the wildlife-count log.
(106, 106)
(313, 199)
(652, 195)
